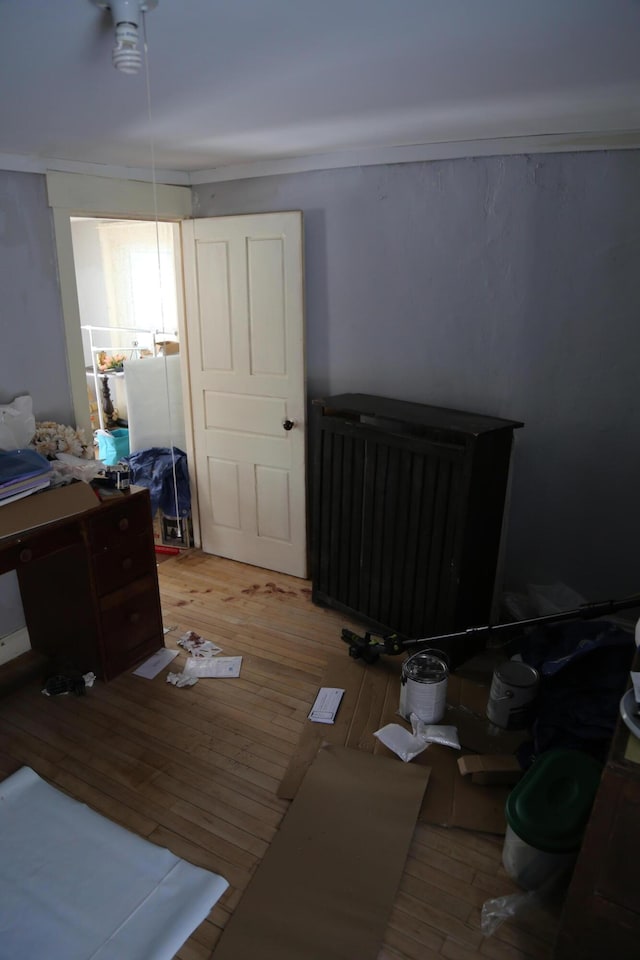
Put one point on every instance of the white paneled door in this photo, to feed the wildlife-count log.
(245, 330)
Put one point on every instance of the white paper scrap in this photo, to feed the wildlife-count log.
(326, 705)
(152, 667)
(635, 679)
(213, 666)
(194, 644)
(181, 679)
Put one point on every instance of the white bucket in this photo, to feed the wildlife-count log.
(423, 688)
(513, 690)
(530, 867)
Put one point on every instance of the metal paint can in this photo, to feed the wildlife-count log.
(514, 688)
(423, 687)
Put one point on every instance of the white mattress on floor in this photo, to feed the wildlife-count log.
(76, 886)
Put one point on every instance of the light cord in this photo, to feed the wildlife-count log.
(159, 265)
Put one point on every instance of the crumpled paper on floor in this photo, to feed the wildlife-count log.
(194, 644)
(181, 679)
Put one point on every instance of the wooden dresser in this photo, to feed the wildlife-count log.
(89, 585)
(601, 915)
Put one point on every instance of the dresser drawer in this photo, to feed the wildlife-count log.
(120, 520)
(116, 662)
(130, 616)
(121, 564)
(33, 546)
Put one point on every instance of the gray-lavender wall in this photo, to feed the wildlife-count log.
(504, 285)
(32, 344)
(32, 347)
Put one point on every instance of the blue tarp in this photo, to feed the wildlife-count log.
(584, 670)
(154, 468)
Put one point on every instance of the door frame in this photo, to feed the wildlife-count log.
(79, 195)
(76, 195)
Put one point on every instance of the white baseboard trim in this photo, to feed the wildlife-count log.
(14, 644)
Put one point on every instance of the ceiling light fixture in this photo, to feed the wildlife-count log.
(126, 19)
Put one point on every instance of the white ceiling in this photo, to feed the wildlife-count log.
(245, 86)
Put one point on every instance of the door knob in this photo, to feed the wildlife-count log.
(288, 424)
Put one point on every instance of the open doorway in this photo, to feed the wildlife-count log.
(127, 205)
(128, 298)
(242, 318)
(127, 282)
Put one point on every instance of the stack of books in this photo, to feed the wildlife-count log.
(22, 472)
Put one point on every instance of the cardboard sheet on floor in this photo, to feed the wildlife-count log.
(326, 885)
(371, 700)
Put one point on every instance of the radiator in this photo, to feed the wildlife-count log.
(408, 502)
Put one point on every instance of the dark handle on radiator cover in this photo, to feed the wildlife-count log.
(288, 424)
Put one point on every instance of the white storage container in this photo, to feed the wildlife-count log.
(547, 812)
(529, 866)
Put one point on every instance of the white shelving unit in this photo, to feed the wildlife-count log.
(133, 348)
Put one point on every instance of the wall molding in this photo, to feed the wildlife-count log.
(421, 152)
(367, 156)
(26, 164)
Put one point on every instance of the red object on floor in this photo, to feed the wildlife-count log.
(171, 550)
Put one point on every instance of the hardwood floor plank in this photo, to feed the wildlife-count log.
(196, 769)
(410, 935)
(452, 846)
(439, 920)
(192, 950)
(79, 789)
(421, 891)
(387, 953)
(242, 839)
(171, 743)
(443, 863)
(453, 950)
(428, 874)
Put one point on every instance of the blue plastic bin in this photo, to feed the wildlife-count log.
(113, 445)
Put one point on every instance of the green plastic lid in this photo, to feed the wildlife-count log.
(550, 806)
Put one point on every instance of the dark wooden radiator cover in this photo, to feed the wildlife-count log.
(407, 509)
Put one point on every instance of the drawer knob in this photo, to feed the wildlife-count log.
(123, 524)
(127, 563)
(25, 555)
(134, 618)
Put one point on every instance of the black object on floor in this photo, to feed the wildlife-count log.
(62, 683)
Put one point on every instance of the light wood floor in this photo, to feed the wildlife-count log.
(196, 769)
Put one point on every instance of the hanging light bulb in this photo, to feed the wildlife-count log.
(126, 18)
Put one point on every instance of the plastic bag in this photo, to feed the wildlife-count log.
(17, 423)
(66, 465)
(541, 907)
(496, 911)
(403, 743)
(435, 733)
(552, 598)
